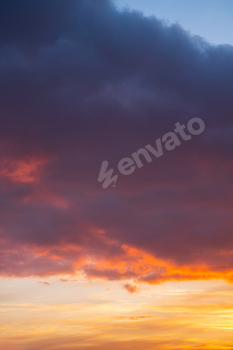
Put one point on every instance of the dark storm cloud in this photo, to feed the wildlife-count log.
(81, 82)
(31, 23)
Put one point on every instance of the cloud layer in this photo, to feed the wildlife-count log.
(81, 83)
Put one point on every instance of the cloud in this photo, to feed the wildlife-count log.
(131, 288)
(88, 83)
(63, 280)
(45, 283)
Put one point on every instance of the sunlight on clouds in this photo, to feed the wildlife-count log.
(21, 170)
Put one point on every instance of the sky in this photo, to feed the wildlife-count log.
(116, 227)
(210, 19)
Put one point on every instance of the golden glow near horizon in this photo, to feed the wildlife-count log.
(87, 88)
(54, 314)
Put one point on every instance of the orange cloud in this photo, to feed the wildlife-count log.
(131, 288)
(23, 170)
(130, 264)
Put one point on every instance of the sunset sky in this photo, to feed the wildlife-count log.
(147, 262)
